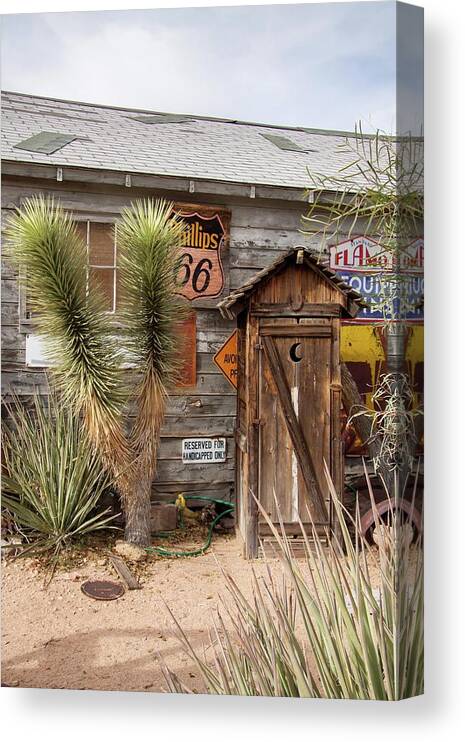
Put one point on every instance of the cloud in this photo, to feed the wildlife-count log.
(310, 65)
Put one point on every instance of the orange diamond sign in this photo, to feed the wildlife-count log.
(226, 359)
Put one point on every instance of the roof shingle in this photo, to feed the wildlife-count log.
(198, 148)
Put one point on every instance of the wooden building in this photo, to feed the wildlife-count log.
(289, 394)
(241, 188)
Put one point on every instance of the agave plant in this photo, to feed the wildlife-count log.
(53, 478)
(345, 623)
(81, 339)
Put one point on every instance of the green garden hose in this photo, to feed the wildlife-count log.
(160, 551)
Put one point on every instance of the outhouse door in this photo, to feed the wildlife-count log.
(299, 413)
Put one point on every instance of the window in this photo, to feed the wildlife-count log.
(101, 241)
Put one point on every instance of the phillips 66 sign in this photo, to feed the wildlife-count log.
(201, 273)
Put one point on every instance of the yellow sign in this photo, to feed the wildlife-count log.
(226, 359)
(362, 350)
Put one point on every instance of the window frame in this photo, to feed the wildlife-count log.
(114, 267)
(26, 324)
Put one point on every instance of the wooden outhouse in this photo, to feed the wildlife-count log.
(289, 394)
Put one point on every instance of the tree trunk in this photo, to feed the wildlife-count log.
(137, 510)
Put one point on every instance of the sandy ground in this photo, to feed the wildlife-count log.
(59, 638)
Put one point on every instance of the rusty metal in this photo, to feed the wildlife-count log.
(102, 589)
(386, 506)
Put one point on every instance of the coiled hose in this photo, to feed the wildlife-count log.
(160, 551)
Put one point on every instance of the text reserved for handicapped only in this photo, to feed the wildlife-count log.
(203, 450)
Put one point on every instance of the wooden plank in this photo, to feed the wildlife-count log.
(211, 320)
(282, 194)
(252, 375)
(269, 547)
(295, 322)
(210, 341)
(202, 405)
(10, 291)
(210, 382)
(267, 217)
(277, 480)
(306, 310)
(211, 395)
(296, 330)
(253, 255)
(11, 338)
(176, 471)
(304, 457)
(241, 432)
(291, 529)
(10, 315)
(181, 427)
(122, 569)
(168, 491)
(336, 466)
(9, 272)
(73, 175)
(272, 446)
(313, 375)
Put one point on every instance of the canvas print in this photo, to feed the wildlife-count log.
(212, 351)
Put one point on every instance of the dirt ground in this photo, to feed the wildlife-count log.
(59, 638)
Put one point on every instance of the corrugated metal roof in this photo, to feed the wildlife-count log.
(227, 305)
(201, 148)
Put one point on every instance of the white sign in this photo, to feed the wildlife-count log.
(35, 354)
(362, 254)
(203, 450)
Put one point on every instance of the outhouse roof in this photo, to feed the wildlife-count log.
(234, 303)
(49, 131)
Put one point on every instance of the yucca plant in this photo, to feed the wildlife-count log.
(90, 349)
(53, 478)
(148, 238)
(345, 623)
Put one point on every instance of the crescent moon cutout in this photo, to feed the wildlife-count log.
(293, 353)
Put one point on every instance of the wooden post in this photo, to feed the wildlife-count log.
(253, 359)
(336, 466)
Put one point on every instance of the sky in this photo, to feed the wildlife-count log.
(323, 65)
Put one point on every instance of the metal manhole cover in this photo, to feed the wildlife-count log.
(102, 589)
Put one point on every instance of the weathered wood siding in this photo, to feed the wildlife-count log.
(259, 231)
